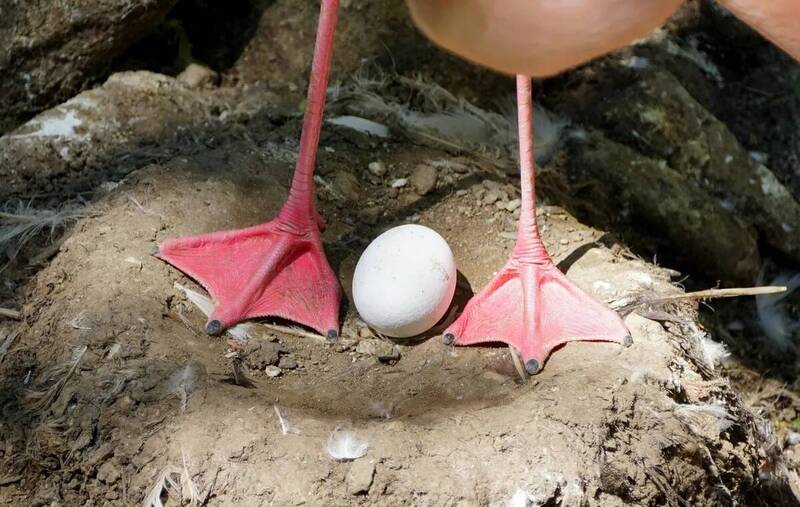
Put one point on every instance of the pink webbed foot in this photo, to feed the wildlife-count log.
(534, 308)
(530, 304)
(266, 270)
(277, 269)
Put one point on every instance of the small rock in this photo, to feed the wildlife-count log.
(423, 179)
(383, 350)
(409, 199)
(365, 332)
(377, 168)
(491, 197)
(359, 477)
(399, 183)
(287, 363)
(198, 76)
(513, 204)
(792, 438)
(272, 371)
(461, 193)
(500, 205)
(109, 472)
(370, 215)
(347, 184)
(264, 354)
(493, 376)
(490, 185)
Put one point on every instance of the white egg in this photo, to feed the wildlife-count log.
(404, 281)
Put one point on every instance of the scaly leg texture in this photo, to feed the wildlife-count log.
(278, 268)
(530, 304)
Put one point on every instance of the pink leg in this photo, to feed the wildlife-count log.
(530, 304)
(277, 268)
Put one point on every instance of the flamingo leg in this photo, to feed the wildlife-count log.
(277, 268)
(530, 304)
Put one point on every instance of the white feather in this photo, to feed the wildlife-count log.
(362, 125)
(713, 352)
(519, 499)
(715, 409)
(449, 119)
(344, 445)
(241, 332)
(772, 316)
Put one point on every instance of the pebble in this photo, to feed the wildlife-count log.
(272, 371)
(108, 472)
(264, 354)
(347, 184)
(461, 193)
(381, 349)
(423, 179)
(198, 76)
(371, 214)
(491, 197)
(287, 363)
(494, 376)
(513, 204)
(399, 183)
(377, 168)
(365, 332)
(359, 477)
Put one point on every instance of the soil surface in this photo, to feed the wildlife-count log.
(111, 394)
(149, 390)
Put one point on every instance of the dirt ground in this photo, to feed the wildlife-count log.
(149, 390)
(111, 394)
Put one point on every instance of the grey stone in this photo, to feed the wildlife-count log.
(347, 184)
(198, 76)
(360, 476)
(423, 179)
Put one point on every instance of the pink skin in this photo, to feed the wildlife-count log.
(544, 37)
(530, 304)
(278, 268)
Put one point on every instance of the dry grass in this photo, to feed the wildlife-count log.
(21, 223)
(173, 480)
(6, 340)
(428, 113)
(42, 399)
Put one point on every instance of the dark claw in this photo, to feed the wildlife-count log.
(532, 367)
(627, 341)
(449, 339)
(214, 328)
(333, 335)
(155, 250)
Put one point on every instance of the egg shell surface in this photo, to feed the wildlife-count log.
(404, 281)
